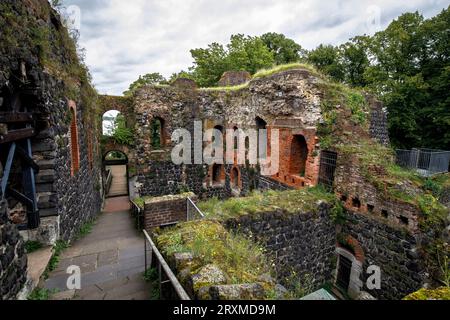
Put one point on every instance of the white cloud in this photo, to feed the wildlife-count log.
(125, 39)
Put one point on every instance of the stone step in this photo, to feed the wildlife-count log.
(45, 176)
(37, 263)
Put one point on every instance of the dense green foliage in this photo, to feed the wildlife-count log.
(122, 134)
(408, 67)
(147, 79)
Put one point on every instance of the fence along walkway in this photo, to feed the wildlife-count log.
(425, 161)
(111, 259)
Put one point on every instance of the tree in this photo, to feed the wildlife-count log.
(410, 72)
(243, 53)
(285, 50)
(181, 74)
(247, 53)
(353, 56)
(148, 79)
(326, 59)
(209, 64)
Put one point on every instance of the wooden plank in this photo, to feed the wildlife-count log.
(15, 117)
(18, 134)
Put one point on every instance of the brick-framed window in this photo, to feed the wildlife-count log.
(74, 145)
(217, 174)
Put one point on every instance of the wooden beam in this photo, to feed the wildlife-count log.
(15, 117)
(18, 134)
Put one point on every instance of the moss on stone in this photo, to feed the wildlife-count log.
(442, 293)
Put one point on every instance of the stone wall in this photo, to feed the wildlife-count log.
(359, 195)
(46, 87)
(266, 183)
(290, 94)
(166, 210)
(378, 122)
(392, 249)
(13, 260)
(304, 242)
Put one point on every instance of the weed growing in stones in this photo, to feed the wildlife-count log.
(41, 294)
(32, 246)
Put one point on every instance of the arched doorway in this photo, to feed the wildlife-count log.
(115, 165)
(111, 121)
(235, 181)
(261, 127)
(299, 156)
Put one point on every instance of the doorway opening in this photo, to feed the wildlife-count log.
(299, 156)
(115, 164)
(344, 272)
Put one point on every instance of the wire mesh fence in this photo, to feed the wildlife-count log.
(193, 212)
(425, 161)
(327, 168)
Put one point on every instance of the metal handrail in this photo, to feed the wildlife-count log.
(137, 213)
(163, 266)
(188, 211)
(109, 178)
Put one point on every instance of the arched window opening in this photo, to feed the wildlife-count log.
(235, 178)
(157, 133)
(111, 121)
(299, 156)
(74, 147)
(247, 151)
(116, 156)
(236, 137)
(262, 137)
(219, 143)
(217, 174)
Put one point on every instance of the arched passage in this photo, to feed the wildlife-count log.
(115, 165)
(111, 121)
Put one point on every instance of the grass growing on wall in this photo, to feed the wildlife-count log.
(293, 201)
(242, 260)
(378, 167)
(284, 67)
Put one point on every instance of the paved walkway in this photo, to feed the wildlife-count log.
(111, 259)
(119, 185)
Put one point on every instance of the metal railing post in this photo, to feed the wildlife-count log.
(145, 248)
(163, 266)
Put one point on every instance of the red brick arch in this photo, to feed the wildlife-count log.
(235, 176)
(358, 251)
(74, 144)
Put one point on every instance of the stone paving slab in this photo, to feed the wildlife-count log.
(111, 259)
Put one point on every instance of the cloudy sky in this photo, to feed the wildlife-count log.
(125, 39)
